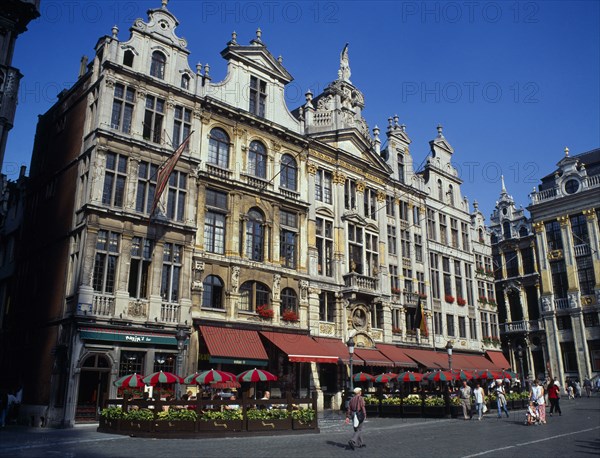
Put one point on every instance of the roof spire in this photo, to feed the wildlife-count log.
(440, 129)
(503, 187)
(344, 71)
(566, 151)
(164, 3)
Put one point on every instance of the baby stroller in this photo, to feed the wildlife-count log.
(531, 415)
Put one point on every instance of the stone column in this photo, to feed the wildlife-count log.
(542, 246)
(594, 235)
(568, 252)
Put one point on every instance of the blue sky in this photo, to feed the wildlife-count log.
(512, 83)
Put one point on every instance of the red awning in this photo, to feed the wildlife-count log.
(428, 358)
(242, 346)
(470, 362)
(397, 355)
(498, 360)
(301, 348)
(373, 357)
(338, 348)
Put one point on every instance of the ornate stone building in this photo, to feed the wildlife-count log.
(564, 215)
(280, 235)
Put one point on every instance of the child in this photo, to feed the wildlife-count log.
(571, 392)
(532, 415)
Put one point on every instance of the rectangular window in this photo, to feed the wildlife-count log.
(585, 272)
(512, 263)
(182, 126)
(434, 264)
(443, 230)
(569, 356)
(153, 119)
(421, 282)
(454, 232)
(591, 320)
(350, 194)
(579, 229)
(288, 238)
(377, 316)
(105, 262)
(481, 290)
(394, 279)
(462, 327)
(215, 221)
(458, 280)
(392, 240)
(405, 243)
(324, 247)
(528, 264)
(132, 362)
(171, 272)
(139, 270)
(258, 96)
(560, 284)
(494, 325)
(431, 227)
(327, 306)
(390, 206)
(176, 194)
(372, 254)
(416, 216)
(485, 325)
(403, 206)
(370, 203)
(408, 281)
(469, 283)
(164, 362)
(122, 109)
(437, 323)
(447, 276)
(473, 328)
(450, 325)
(553, 236)
(146, 187)
(464, 227)
(115, 176)
(396, 321)
(323, 186)
(418, 248)
(563, 322)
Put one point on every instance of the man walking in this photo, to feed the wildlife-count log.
(465, 400)
(356, 414)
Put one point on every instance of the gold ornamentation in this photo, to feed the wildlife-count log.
(555, 254)
(360, 186)
(381, 196)
(311, 167)
(339, 177)
(590, 214)
(563, 220)
(538, 227)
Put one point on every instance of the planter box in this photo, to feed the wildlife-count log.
(297, 424)
(112, 424)
(391, 410)
(269, 425)
(412, 410)
(456, 411)
(220, 425)
(372, 409)
(136, 425)
(435, 411)
(175, 425)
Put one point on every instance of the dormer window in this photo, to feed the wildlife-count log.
(401, 167)
(185, 81)
(128, 58)
(157, 67)
(571, 186)
(258, 96)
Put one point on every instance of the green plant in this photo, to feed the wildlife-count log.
(455, 401)
(178, 414)
(112, 413)
(139, 415)
(391, 401)
(224, 415)
(304, 415)
(370, 401)
(434, 401)
(411, 401)
(266, 414)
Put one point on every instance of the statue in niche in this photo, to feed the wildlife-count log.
(235, 279)
(359, 318)
(276, 283)
(546, 304)
(344, 71)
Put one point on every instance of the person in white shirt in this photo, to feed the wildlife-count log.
(501, 399)
(479, 398)
(537, 396)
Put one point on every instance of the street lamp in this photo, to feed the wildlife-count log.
(520, 356)
(449, 350)
(181, 337)
(350, 344)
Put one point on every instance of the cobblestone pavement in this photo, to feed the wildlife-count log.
(574, 434)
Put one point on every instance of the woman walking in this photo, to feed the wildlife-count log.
(554, 397)
(537, 396)
(479, 398)
(501, 399)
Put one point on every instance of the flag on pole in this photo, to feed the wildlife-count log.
(420, 321)
(164, 172)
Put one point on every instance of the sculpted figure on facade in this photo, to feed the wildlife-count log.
(304, 289)
(235, 279)
(276, 286)
(344, 71)
(546, 304)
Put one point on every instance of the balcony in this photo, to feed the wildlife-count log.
(411, 298)
(561, 303)
(582, 250)
(169, 312)
(102, 305)
(522, 326)
(590, 182)
(218, 172)
(360, 283)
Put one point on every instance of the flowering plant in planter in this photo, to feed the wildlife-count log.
(461, 301)
(449, 299)
(290, 315)
(422, 296)
(491, 301)
(434, 401)
(411, 401)
(396, 330)
(483, 299)
(264, 311)
(395, 290)
(489, 272)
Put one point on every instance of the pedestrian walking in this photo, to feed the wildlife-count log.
(577, 386)
(537, 396)
(587, 386)
(554, 397)
(465, 400)
(479, 397)
(501, 399)
(356, 414)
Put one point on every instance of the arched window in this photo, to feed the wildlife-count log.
(289, 302)
(157, 67)
(128, 58)
(451, 195)
(185, 81)
(255, 236)
(480, 235)
(289, 173)
(440, 191)
(506, 230)
(253, 294)
(523, 231)
(212, 297)
(401, 167)
(257, 160)
(218, 148)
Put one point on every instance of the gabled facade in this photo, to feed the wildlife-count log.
(277, 229)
